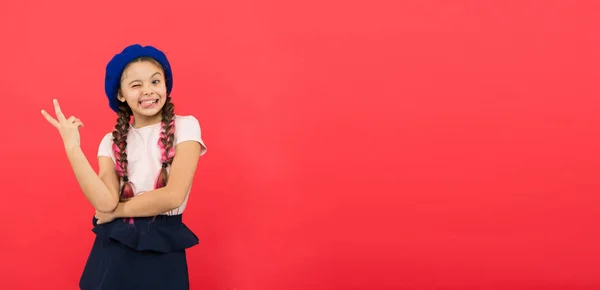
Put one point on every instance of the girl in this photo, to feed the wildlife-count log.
(146, 169)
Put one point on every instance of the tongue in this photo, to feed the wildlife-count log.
(147, 104)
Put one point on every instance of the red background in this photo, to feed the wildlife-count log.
(374, 145)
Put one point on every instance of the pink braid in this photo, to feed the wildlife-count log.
(166, 142)
(166, 136)
(120, 151)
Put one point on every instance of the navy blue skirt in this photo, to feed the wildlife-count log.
(148, 254)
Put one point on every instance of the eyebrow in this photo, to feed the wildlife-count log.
(156, 73)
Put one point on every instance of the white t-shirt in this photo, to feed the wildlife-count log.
(143, 153)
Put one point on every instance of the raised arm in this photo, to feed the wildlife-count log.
(104, 198)
(102, 189)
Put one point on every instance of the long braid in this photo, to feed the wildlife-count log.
(120, 149)
(166, 142)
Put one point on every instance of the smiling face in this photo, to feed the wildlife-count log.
(143, 88)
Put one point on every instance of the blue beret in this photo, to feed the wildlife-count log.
(117, 64)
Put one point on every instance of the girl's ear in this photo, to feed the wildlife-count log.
(120, 96)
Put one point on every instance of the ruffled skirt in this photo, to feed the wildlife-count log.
(149, 254)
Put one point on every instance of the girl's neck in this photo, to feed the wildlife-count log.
(144, 121)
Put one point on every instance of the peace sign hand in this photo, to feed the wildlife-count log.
(68, 128)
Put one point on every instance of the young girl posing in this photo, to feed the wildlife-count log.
(146, 169)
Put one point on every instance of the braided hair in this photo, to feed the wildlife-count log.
(165, 142)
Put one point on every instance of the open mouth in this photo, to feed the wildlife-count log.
(148, 103)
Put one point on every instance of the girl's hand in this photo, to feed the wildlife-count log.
(68, 128)
(104, 217)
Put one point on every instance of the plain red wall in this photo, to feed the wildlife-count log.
(374, 145)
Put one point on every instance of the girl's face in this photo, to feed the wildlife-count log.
(144, 89)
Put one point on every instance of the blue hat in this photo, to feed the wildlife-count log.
(117, 64)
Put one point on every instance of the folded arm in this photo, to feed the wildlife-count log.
(170, 197)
